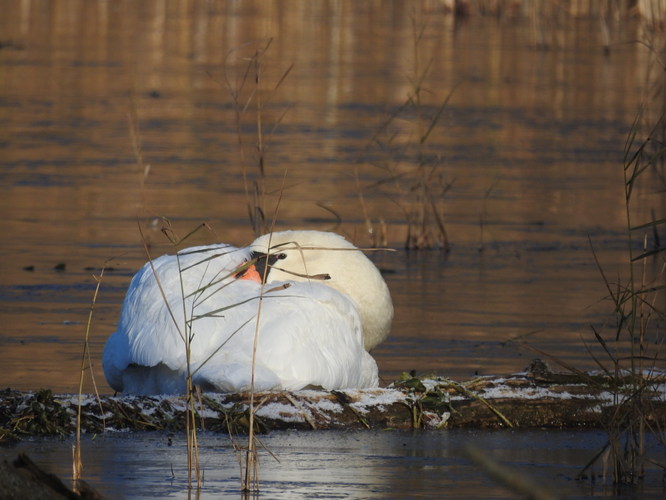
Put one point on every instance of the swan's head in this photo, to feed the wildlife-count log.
(330, 259)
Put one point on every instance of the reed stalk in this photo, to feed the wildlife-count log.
(77, 462)
(637, 320)
(418, 183)
(185, 330)
(243, 93)
(249, 88)
(635, 307)
(246, 89)
(186, 335)
(637, 301)
(190, 425)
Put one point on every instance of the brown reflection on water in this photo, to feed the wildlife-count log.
(531, 141)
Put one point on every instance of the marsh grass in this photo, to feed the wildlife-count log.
(250, 475)
(414, 174)
(248, 94)
(77, 461)
(190, 300)
(638, 300)
(251, 95)
(639, 319)
(184, 330)
(250, 91)
(632, 345)
(247, 455)
(186, 334)
(629, 348)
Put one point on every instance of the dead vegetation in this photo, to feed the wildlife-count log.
(534, 399)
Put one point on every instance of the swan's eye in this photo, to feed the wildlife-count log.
(281, 256)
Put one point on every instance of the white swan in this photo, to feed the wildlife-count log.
(324, 303)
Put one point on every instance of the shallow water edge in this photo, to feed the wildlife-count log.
(343, 464)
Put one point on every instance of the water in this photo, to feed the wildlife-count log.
(339, 464)
(528, 150)
(530, 141)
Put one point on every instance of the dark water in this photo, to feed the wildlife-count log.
(115, 114)
(338, 464)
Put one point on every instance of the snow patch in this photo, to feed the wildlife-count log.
(376, 398)
(281, 411)
(507, 392)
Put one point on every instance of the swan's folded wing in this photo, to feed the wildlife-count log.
(309, 334)
(153, 323)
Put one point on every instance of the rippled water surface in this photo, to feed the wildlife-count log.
(115, 114)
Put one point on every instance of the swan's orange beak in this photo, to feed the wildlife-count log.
(257, 268)
(250, 274)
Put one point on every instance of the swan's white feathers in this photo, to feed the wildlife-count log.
(349, 271)
(152, 325)
(311, 332)
(309, 335)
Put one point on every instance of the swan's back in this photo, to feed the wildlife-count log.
(310, 334)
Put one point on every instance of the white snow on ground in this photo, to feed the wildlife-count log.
(378, 398)
(281, 411)
(312, 405)
(324, 405)
(505, 391)
(314, 402)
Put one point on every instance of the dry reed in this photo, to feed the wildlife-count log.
(246, 89)
(77, 461)
(413, 173)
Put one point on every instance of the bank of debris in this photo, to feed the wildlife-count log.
(536, 398)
